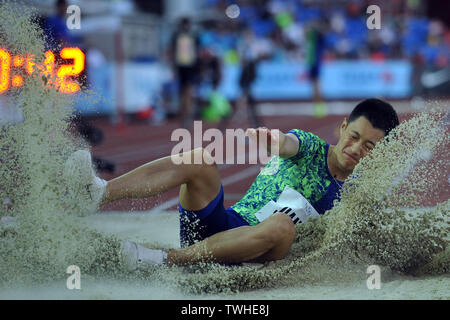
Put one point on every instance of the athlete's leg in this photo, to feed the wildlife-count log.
(269, 240)
(200, 183)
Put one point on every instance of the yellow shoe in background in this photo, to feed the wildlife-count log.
(320, 110)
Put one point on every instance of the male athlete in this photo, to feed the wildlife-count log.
(210, 232)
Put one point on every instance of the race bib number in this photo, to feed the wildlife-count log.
(291, 203)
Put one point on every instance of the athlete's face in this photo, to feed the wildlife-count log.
(357, 139)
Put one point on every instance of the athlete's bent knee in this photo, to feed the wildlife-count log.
(202, 156)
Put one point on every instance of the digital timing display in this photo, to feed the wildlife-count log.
(14, 68)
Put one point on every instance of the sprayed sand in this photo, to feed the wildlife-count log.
(146, 227)
(380, 220)
(46, 239)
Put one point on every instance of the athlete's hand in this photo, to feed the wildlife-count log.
(272, 140)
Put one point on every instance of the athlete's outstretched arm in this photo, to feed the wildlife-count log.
(285, 144)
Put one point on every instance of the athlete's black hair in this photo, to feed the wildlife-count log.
(379, 113)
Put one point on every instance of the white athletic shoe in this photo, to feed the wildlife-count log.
(85, 185)
(136, 257)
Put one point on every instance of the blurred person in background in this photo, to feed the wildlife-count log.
(210, 71)
(184, 56)
(56, 29)
(252, 51)
(315, 46)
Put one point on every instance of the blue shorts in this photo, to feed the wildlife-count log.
(196, 225)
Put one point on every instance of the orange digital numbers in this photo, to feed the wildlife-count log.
(49, 63)
(29, 64)
(5, 67)
(17, 81)
(64, 74)
(75, 69)
(18, 61)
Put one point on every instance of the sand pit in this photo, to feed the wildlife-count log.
(147, 227)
